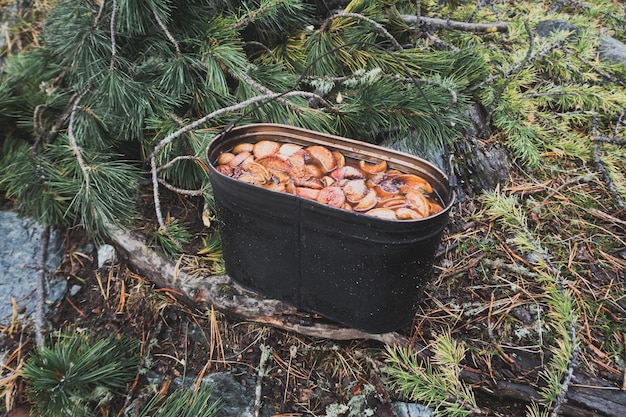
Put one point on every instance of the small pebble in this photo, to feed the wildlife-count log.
(106, 253)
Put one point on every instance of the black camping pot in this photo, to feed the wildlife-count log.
(360, 271)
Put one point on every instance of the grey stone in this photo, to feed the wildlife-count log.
(237, 399)
(548, 27)
(612, 50)
(106, 253)
(75, 289)
(401, 409)
(19, 247)
(57, 288)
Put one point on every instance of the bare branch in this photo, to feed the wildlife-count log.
(96, 21)
(193, 193)
(74, 145)
(167, 140)
(113, 43)
(379, 28)
(157, 203)
(260, 87)
(456, 25)
(167, 32)
(178, 158)
(600, 165)
(41, 294)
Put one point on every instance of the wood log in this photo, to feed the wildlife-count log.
(587, 396)
(228, 297)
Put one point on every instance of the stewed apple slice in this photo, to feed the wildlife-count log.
(246, 146)
(265, 148)
(322, 157)
(333, 196)
(383, 213)
(412, 182)
(368, 202)
(308, 193)
(355, 190)
(240, 158)
(418, 202)
(405, 213)
(287, 149)
(373, 168)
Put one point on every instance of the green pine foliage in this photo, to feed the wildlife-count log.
(184, 403)
(77, 373)
(141, 72)
(558, 298)
(435, 381)
(145, 71)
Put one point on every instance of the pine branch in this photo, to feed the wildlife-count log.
(167, 32)
(191, 193)
(112, 29)
(377, 26)
(456, 25)
(261, 88)
(509, 213)
(601, 166)
(41, 294)
(512, 71)
(266, 353)
(96, 21)
(74, 145)
(178, 158)
(527, 61)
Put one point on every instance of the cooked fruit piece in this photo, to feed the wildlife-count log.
(392, 202)
(333, 196)
(368, 202)
(412, 182)
(288, 149)
(383, 192)
(383, 213)
(418, 202)
(243, 147)
(254, 173)
(309, 193)
(405, 213)
(387, 188)
(355, 190)
(274, 163)
(328, 181)
(280, 176)
(225, 169)
(308, 182)
(225, 158)
(347, 172)
(265, 148)
(296, 160)
(341, 160)
(434, 208)
(275, 186)
(240, 158)
(373, 168)
(322, 157)
(314, 170)
(377, 178)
